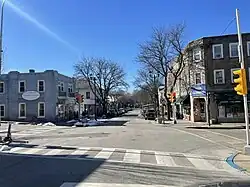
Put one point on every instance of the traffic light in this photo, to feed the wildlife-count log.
(241, 87)
(78, 98)
(169, 96)
(82, 98)
(172, 97)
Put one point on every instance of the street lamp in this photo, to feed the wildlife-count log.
(156, 102)
(94, 79)
(1, 35)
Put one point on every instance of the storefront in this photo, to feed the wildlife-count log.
(198, 100)
(183, 107)
(230, 107)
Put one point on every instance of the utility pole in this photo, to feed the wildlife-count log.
(1, 37)
(1, 43)
(95, 97)
(241, 61)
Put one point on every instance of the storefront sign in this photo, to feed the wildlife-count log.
(198, 90)
(30, 95)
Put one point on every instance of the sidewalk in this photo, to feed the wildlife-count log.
(204, 125)
(242, 161)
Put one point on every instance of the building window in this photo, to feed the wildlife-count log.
(41, 110)
(197, 54)
(87, 95)
(217, 51)
(70, 88)
(248, 48)
(21, 86)
(2, 111)
(41, 85)
(1, 87)
(219, 76)
(233, 49)
(232, 75)
(197, 78)
(61, 87)
(22, 110)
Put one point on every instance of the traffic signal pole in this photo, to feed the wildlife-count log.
(241, 61)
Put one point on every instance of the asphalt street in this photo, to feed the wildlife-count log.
(135, 152)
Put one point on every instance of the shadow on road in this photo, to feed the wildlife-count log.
(21, 170)
(50, 171)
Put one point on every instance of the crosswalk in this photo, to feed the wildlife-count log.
(31, 131)
(168, 159)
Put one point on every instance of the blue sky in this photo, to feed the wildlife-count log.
(64, 30)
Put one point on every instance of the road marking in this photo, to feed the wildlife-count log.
(201, 137)
(77, 153)
(105, 153)
(31, 151)
(15, 149)
(83, 184)
(163, 159)
(200, 163)
(223, 135)
(53, 152)
(132, 156)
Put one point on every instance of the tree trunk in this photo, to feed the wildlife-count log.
(104, 108)
(166, 97)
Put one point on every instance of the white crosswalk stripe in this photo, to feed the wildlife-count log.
(105, 153)
(83, 184)
(16, 149)
(31, 151)
(167, 159)
(54, 152)
(200, 163)
(78, 153)
(163, 159)
(132, 156)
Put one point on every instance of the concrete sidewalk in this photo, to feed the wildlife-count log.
(204, 125)
(242, 161)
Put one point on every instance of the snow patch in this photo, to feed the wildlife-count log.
(49, 124)
(5, 148)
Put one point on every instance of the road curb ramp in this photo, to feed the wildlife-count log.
(242, 162)
(231, 161)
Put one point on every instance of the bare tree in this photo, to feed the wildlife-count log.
(141, 96)
(149, 81)
(104, 76)
(164, 53)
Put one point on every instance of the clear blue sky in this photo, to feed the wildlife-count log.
(66, 29)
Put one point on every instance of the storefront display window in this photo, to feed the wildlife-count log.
(231, 110)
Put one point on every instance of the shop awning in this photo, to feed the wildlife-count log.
(185, 100)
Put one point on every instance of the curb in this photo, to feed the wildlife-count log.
(230, 161)
(214, 127)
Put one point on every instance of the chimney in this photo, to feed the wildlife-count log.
(32, 71)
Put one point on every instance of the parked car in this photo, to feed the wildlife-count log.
(112, 113)
(121, 111)
(150, 114)
(128, 109)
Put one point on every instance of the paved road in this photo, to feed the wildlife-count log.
(136, 152)
(26, 171)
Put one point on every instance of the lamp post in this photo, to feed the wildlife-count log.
(155, 88)
(94, 79)
(1, 42)
(1, 35)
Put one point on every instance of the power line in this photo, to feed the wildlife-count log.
(228, 25)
